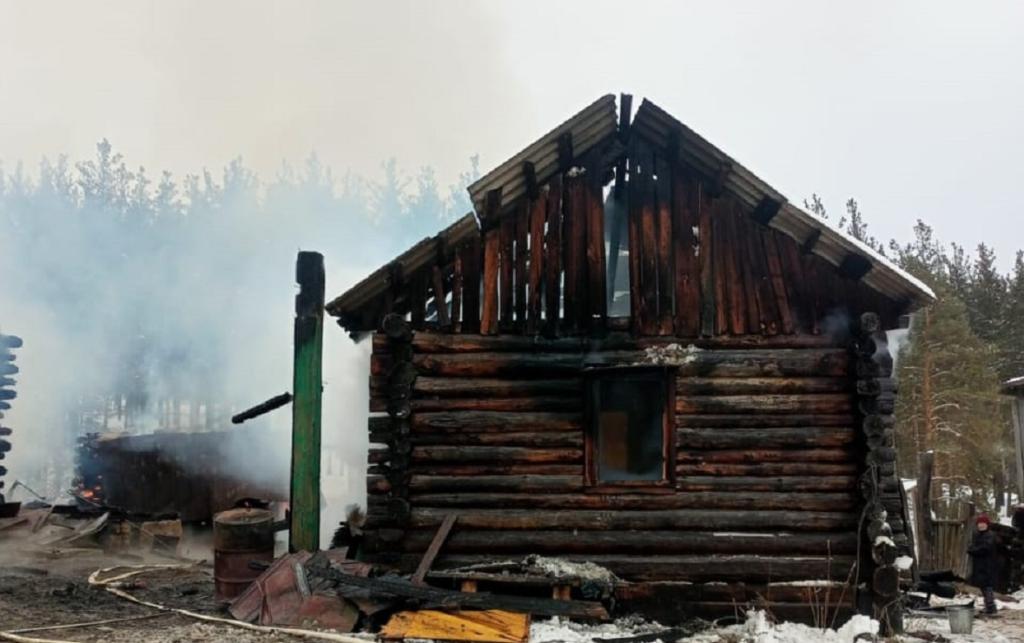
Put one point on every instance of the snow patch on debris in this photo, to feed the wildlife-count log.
(904, 562)
(884, 540)
(671, 354)
(758, 628)
(561, 568)
(560, 630)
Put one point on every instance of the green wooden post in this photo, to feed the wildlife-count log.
(307, 387)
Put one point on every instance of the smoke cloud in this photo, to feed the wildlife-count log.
(136, 296)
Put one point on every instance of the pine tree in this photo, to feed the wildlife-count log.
(1011, 342)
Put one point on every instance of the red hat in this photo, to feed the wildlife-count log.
(982, 518)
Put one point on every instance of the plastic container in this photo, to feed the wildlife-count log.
(961, 618)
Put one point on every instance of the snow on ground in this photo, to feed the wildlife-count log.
(756, 629)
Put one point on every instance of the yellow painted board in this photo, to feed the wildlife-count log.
(484, 626)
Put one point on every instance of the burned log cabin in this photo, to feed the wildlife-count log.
(637, 353)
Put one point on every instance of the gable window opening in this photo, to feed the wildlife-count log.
(630, 426)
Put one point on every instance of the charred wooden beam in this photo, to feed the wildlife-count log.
(275, 402)
(766, 210)
(855, 266)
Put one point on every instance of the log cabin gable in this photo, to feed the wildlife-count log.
(610, 223)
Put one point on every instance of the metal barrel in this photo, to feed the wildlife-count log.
(240, 536)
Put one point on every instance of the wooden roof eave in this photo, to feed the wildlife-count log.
(350, 305)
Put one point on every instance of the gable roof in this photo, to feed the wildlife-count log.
(598, 128)
(824, 240)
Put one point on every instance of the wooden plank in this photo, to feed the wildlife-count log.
(553, 258)
(796, 284)
(489, 314)
(457, 286)
(471, 254)
(666, 248)
(440, 300)
(521, 277)
(538, 212)
(634, 215)
(778, 282)
(717, 266)
(398, 587)
(687, 258)
(741, 253)
(753, 439)
(649, 245)
(574, 226)
(769, 314)
(433, 549)
(506, 270)
(597, 292)
(483, 626)
(734, 282)
(709, 500)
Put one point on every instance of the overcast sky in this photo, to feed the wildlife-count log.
(914, 108)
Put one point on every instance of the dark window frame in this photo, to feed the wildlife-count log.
(664, 375)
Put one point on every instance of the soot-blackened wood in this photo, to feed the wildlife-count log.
(759, 454)
(508, 483)
(666, 258)
(649, 245)
(440, 300)
(687, 259)
(825, 403)
(765, 296)
(765, 421)
(553, 258)
(470, 254)
(574, 227)
(545, 439)
(589, 520)
(478, 600)
(526, 403)
(489, 314)
(496, 454)
(741, 253)
(538, 212)
(699, 568)
(731, 363)
(734, 282)
(760, 385)
(596, 261)
(635, 542)
(521, 277)
(457, 285)
(778, 282)
(813, 288)
(497, 469)
(480, 388)
(427, 342)
(432, 550)
(506, 270)
(633, 217)
(709, 500)
(768, 469)
(714, 305)
(418, 299)
(700, 437)
(483, 421)
(780, 484)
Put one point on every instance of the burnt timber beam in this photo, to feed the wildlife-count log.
(766, 210)
(807, 247)
(854, 266)
(565, 152)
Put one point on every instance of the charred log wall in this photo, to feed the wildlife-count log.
(766, 469)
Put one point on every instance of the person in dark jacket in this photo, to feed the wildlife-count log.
(983, 558)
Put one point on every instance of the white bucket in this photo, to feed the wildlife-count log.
(961, 618)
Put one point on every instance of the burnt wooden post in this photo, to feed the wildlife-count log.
(307, 388)
(885, 526)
